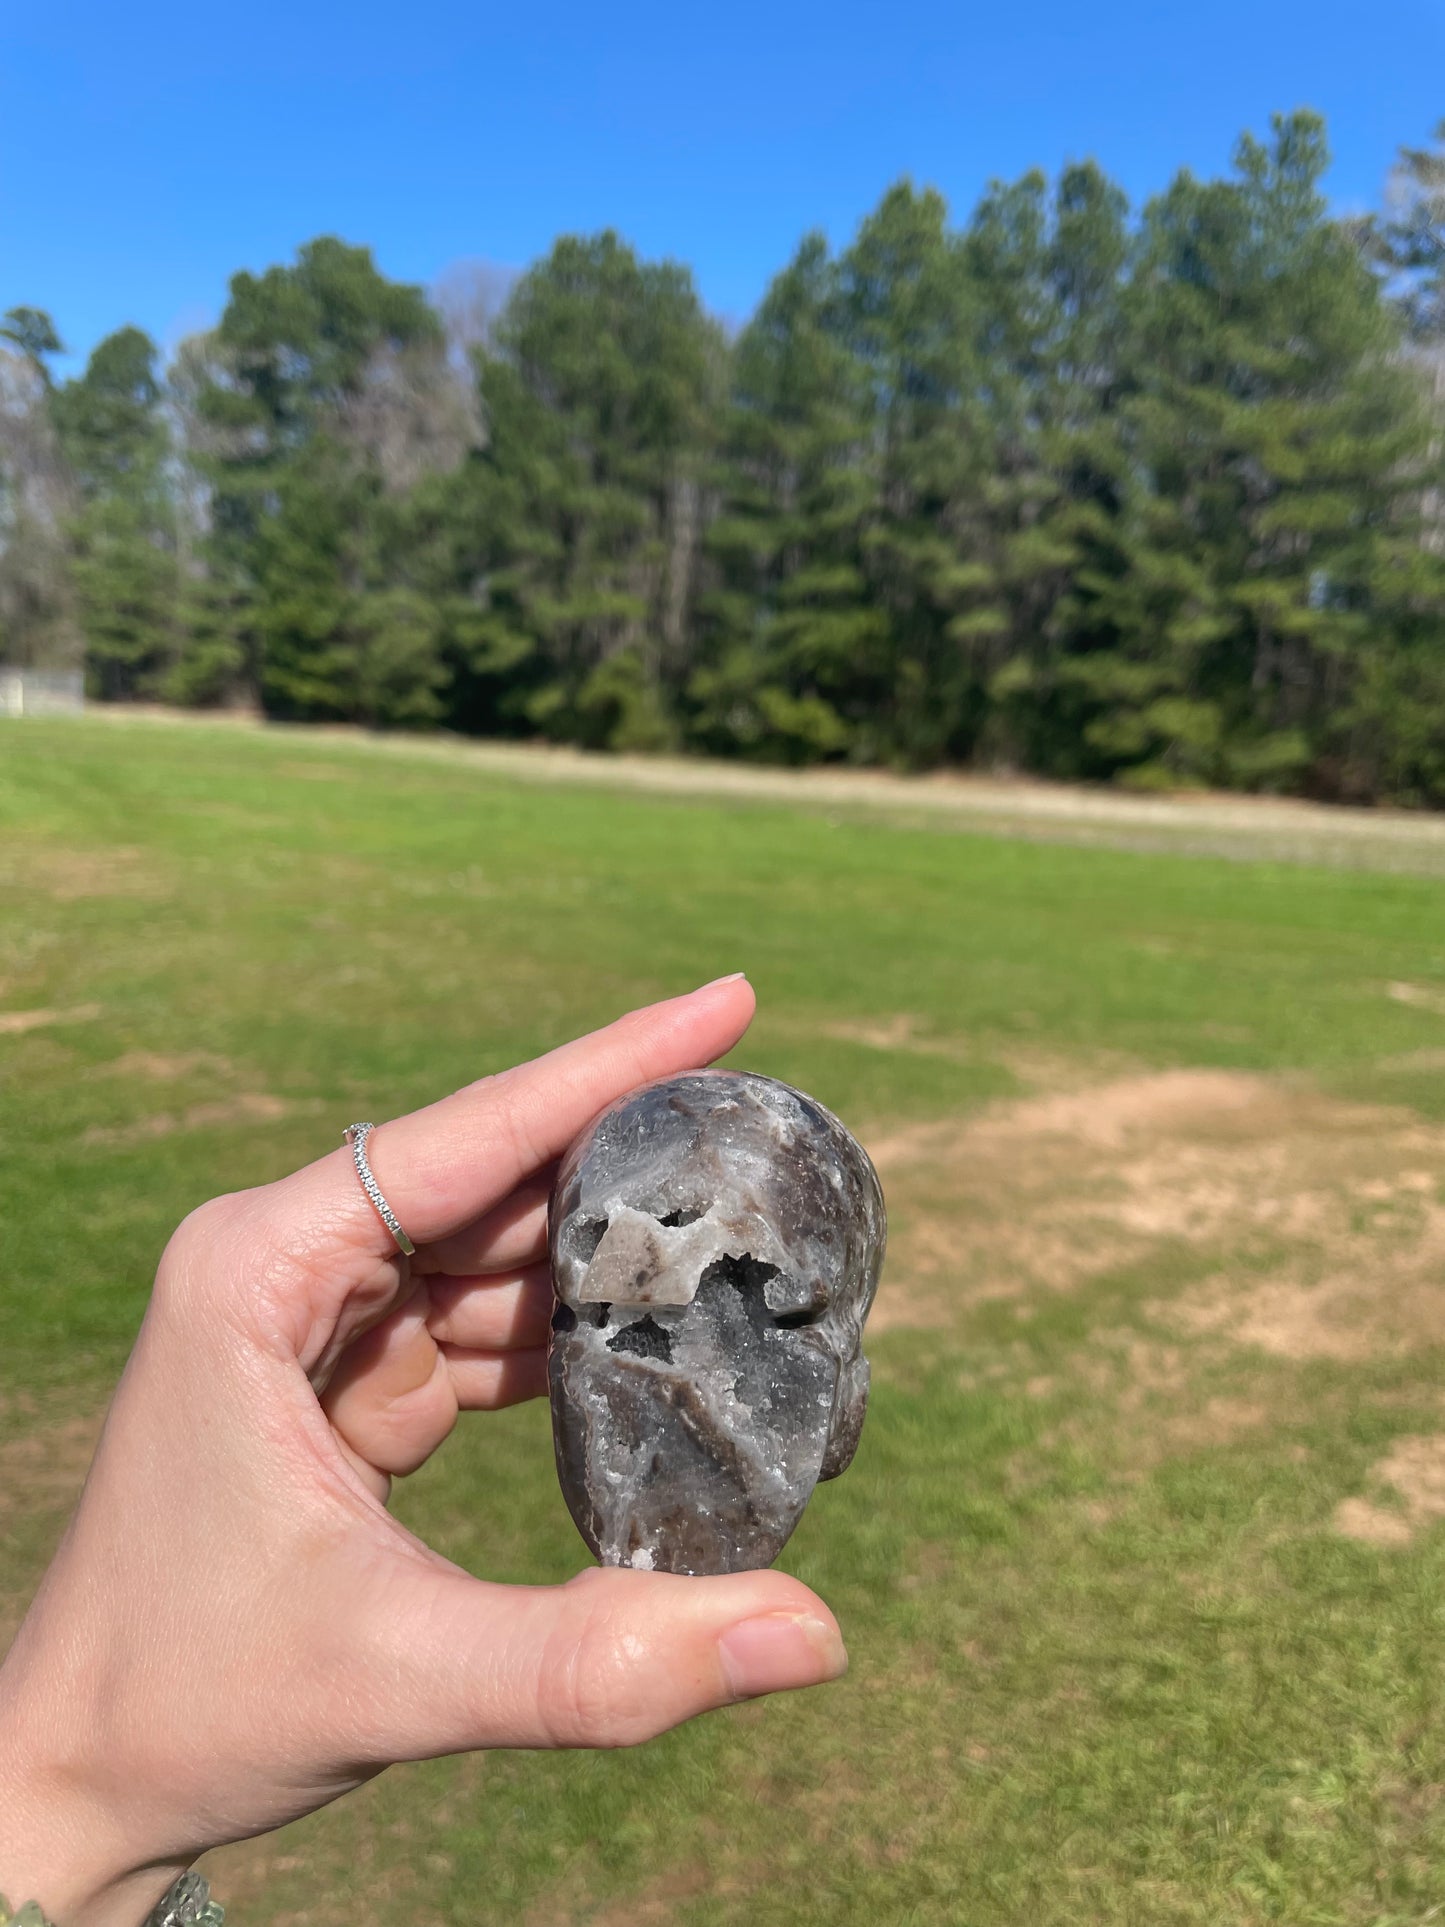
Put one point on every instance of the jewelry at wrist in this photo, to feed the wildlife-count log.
(188, 1904)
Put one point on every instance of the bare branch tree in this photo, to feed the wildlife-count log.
(37, 619)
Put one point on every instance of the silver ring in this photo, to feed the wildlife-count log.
(356, 1136)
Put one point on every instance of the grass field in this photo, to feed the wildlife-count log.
(1140, 1563)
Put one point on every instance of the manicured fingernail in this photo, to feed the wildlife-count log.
(779, 1650)
(736, 977)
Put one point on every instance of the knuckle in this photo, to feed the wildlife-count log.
(598, 1695)
(222, 1241)
(520, 1117)
(193, 1244)
(399, 1435)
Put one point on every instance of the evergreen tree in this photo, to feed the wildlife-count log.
(1050, 275)
(32, 333)
(113, 433)
(1155, 503)
(597, 394)
(294, 485)
(788, 624)
(909, 318)
(1275, 435)
(1392, 731)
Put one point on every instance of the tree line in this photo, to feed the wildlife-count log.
(1151, 496)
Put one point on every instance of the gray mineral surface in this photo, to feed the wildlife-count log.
(716, 1240)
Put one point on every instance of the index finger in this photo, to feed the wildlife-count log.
(442, 1167)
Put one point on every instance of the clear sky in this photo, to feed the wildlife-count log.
(149, 150)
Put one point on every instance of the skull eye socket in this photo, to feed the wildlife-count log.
(585, 1234)
(749, 1277)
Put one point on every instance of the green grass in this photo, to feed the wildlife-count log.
(1102, 1669)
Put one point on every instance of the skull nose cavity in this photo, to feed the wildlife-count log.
(644, 1338)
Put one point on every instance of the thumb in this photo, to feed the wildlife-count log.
(609, 1659)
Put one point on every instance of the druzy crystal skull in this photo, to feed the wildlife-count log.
(716, 1241)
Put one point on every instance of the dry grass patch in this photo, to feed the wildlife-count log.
(1418, 997)
(74, 876)
(15, 1023)
(901, 1033)
(1414, 1474)
(247, 1107)
(156, 1067)
(1328, 1217)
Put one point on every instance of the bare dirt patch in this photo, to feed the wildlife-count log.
(1220, 1421)
(72, 876)
(1326, 1219)
(15, 1023)
(900, 1033)
(1414, 1473)
(1160, 1103)
(1415, 1060)
(1418, 997)
(247, 1107)
(1102, 1116)
(159, 1068)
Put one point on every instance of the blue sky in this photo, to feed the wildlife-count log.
(147, 151)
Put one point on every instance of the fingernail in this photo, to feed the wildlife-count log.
(778, 1650)
(736, 977)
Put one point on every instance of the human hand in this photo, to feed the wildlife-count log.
(235, 1630)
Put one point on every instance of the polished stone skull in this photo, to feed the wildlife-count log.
(716, 1240)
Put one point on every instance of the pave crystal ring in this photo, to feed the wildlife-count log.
(356, 1136)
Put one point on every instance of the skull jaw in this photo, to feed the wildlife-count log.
(668, 1470)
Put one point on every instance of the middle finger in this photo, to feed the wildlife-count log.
(495, 1313)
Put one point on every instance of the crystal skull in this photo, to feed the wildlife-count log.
(716, 1241)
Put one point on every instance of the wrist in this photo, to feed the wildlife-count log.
(48, 1854)
(58, 1845)
(127, 1902)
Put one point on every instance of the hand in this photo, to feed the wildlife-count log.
(235, 1630)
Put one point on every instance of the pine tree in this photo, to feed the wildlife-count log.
(597, 392)
(789, 629)
(1275, 434)
(113, 433)
(1391, 735)
(908, 317)
(294, 458)
(1050, 275)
